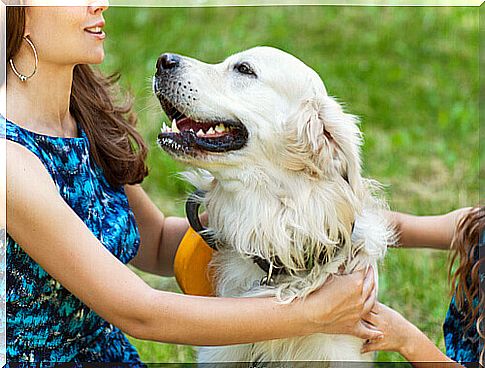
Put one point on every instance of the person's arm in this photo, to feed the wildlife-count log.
(426, 231)
(402, 336)
(50, 232)
(160, 236)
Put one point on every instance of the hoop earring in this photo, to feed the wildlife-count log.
(22, 77)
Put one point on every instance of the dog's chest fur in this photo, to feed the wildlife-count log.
(270, 220)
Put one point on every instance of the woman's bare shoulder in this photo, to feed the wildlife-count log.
(24, 167)
(30, 191)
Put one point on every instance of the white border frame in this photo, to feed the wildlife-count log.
(3, 187)
(204, 3)
(172, 3)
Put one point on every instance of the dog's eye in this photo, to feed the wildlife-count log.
(244, 68)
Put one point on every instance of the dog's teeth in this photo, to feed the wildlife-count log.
(175, 129)
(211, 131)
(220, 128)
(164, 127)
(200, 133)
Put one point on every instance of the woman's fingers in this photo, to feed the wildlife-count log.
(371, 318)
(369, 326)
(369, 283)
(366, 331)
(373, 345)
(370, 302)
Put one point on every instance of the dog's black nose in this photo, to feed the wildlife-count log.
(168, 61)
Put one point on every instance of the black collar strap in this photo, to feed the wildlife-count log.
(192, 206)
(192, 210)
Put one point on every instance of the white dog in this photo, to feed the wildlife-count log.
(286, 200)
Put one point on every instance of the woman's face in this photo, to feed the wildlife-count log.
(67, 35)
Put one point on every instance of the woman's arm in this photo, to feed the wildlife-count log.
(224, 321)
(56, 238)
(160, 236)
(426, 231)
(402, 336)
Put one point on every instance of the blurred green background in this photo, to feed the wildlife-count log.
(410, 73)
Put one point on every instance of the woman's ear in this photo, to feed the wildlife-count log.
(324, 141)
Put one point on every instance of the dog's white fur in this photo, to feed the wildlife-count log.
(293, 190)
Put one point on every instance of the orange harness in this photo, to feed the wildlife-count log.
(191, 265)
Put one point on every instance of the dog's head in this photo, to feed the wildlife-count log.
(257, 106)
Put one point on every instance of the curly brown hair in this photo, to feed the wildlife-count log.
(116, 146)
(465, 280)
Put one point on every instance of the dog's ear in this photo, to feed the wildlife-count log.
(324, 141)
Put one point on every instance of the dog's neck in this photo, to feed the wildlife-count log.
(292, 218)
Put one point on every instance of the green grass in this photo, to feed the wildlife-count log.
(411, 74)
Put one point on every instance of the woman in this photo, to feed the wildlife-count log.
(74, 166)
(463, 327)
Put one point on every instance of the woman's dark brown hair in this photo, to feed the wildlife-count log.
(116, 146)
(465, 250)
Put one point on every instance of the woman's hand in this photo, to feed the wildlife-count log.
(397, 331)
(339, 306)
(401, 336)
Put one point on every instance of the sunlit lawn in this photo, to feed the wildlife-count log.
(411, 74)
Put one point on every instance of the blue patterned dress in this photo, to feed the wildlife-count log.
(45, 322)
(463, 345)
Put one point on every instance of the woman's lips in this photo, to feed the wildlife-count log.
(96, 32)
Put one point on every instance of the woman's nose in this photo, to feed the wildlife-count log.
(98, 6)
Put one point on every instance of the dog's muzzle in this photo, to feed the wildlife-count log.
(179, 98)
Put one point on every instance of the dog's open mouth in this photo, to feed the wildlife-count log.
(187, 135)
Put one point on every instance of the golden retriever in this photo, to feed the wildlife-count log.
(279, 161)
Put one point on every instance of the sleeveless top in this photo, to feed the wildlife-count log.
(45, 322)
(464, 345)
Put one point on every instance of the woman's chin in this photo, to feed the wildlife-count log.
(96, 59)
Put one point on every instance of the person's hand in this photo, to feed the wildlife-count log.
(397, 331)
(402, 336)
(339, 306)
